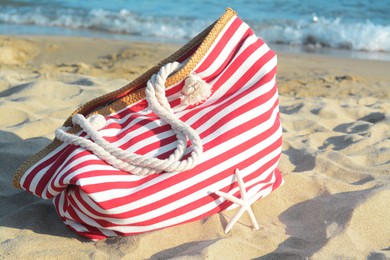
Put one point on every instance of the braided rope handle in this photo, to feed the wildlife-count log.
(131, 162)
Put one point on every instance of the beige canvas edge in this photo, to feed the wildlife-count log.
(129, 92)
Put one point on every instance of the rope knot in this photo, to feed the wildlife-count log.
(195, 90)
(97, 121)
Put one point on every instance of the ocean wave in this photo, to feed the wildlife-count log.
(322, 32)
(318, 32)
(121, 22)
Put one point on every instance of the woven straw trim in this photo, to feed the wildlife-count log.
(130, 93)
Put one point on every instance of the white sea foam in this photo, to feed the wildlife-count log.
(318, 32)
(330, 33)
(121, 22)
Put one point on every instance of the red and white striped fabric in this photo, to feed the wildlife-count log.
(239, 127)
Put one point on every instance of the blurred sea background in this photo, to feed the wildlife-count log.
(356, 28)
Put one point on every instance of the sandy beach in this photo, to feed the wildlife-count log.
(335, 114)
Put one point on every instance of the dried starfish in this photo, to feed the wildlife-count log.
(244, 202)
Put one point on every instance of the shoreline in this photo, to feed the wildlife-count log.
(283, 48)
(299, 74)
(335, 115)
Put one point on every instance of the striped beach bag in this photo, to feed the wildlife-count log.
(197, 134)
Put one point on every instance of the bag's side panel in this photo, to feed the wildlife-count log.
(239, 127)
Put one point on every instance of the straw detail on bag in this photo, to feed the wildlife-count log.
(131, 162)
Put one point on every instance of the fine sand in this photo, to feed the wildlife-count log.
(336, 154)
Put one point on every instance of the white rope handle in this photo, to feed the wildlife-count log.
(131, 162)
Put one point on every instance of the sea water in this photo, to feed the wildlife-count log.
(356, 26)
